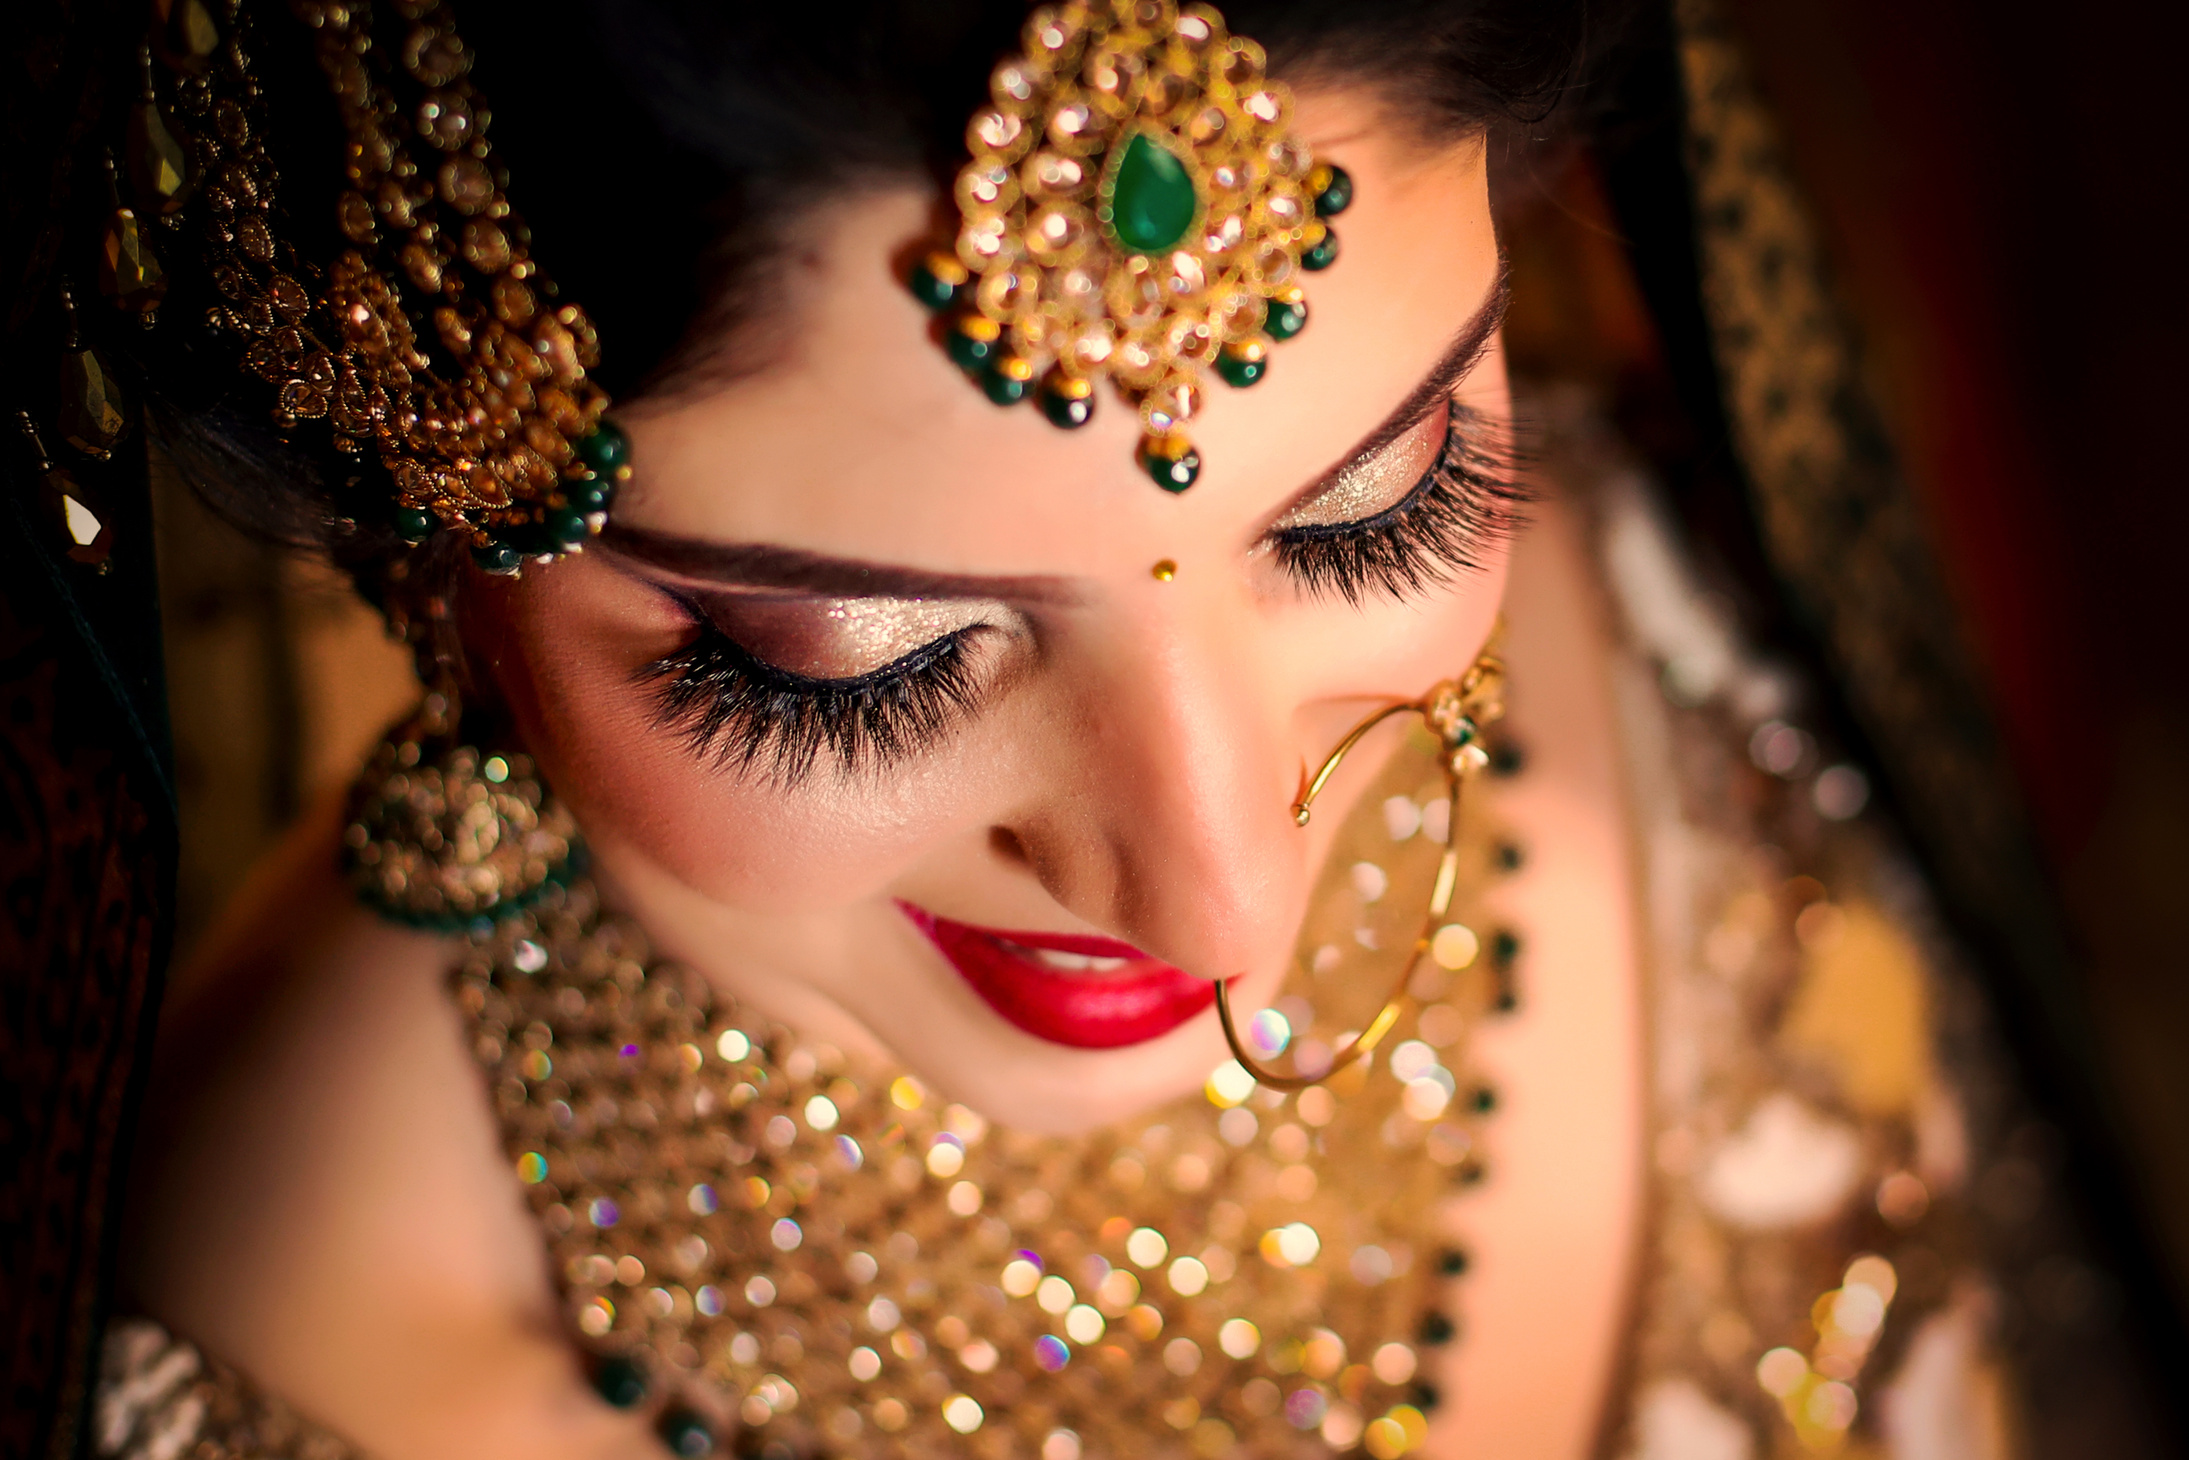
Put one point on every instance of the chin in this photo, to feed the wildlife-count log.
(1021, 1085)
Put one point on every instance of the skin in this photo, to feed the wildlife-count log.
(324, 1201)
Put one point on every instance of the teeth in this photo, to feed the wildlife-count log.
(1070, 962)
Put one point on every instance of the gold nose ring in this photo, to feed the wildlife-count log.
(1455, 711)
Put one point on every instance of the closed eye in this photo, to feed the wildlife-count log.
(742, 712)
(1451, 519)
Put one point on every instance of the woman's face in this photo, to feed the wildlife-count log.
(877, 711)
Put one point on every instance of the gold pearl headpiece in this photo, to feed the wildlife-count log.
(1135, 208)
(428, 338)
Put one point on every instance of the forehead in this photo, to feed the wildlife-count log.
(860, 438)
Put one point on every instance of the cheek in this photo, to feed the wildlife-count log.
(1338, 652)
(567, 664)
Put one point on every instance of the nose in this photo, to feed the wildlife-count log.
(1175, 826)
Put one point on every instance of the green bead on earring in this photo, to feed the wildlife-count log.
(414, 524)
(498, 557)
(567, 526)
(606, 451)
(588, 494)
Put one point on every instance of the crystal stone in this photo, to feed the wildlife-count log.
(129, 272)
(86, 537)
(187, 35)
(159, 164)
(91, 402)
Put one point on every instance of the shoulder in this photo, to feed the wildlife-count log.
(321, 1196)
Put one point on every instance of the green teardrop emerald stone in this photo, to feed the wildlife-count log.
(1152, 201)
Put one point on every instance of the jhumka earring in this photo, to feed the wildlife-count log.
(449, 837)
(1455, 712)
(1136, 207)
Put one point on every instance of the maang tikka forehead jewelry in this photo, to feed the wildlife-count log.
(1136, 208)
(1455, 712)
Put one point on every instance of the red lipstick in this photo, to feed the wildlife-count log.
(1120, 996)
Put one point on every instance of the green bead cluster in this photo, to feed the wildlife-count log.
(574, 865)
(976, 345)
(1147, 206)
(1333, 195)
(603, 459)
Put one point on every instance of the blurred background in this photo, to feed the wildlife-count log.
(1997, 193)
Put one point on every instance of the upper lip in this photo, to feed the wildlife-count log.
(1135, 998)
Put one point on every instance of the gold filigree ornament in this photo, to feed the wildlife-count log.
(1137, 208)
(449, 837)
(484, 420)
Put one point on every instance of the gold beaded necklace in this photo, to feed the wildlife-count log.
(764, 1237)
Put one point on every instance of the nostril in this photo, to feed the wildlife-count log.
(1005, 843)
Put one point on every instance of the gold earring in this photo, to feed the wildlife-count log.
(1455, 711)
(451, 838)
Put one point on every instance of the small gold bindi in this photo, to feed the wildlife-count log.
(1164, 571)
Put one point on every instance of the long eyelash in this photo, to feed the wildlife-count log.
(742, 712)
(1467, 503)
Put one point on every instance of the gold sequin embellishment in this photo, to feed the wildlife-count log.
(804, 1246)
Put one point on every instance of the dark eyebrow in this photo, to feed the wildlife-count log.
(760, 565)
(1456, 364)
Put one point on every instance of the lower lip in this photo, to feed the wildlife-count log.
(1132, 1003)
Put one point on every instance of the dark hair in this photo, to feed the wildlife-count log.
(662, 150)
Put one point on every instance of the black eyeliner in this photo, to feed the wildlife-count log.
(1467, 502)
(741, 712)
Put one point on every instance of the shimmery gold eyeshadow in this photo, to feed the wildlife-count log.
(840, 638)
(1364, 488)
